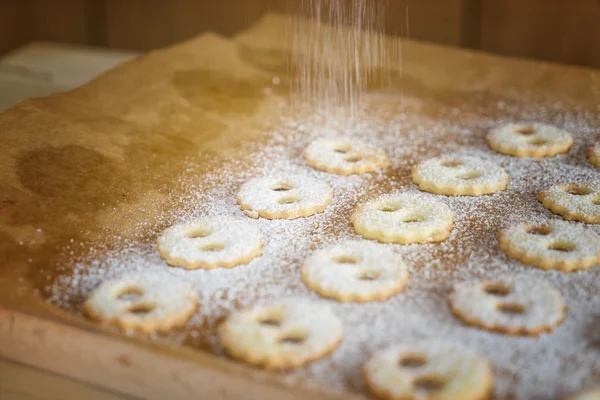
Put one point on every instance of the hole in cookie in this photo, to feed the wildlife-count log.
(451, 163)
(288, 200)
(525, 130)
(355, 158)
(213, 247)
(130, 294)
(541, 230)
(342, 148)
(412, 361)
(596, 201)
(564, 247)
(293, 339)
(496, 289)
(469, 175)
(281, 187)
(198, 233)
(511, 308)
(345, 260)
(413, 219)
(141, 308)
(579, 191)
(369, 275)
(270, 321)
(429, 383)
(388, 207)
(537, 141)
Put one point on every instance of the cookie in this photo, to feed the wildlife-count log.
(575, 202)
(146, 302)
(515, 306)
(403, 218)
(355, 271)
(530, 140)
(344, 156)
(285, 197)
(428, 370)
(281, 335)
(592, 394)
(594, 155)
(212, 242)
(459, 176)
(554, 245)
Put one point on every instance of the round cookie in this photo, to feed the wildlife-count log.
(459, 176)
(285, 197)
(530, 140)
(148, 302)
(428, 370)
(594, 155)
(281, 335)
(515, 306)
(554, 245)
(403, 218)
(212, 242)
(344, 156)
(592, 394)
(355, 271)
(573, 201)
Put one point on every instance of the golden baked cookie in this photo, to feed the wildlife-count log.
(146, 302)
(514, 306)
(459, 176)
(591, 394)
(429, 370)
(344, 156)
(212, 242)
(576, 202)
(284, 197)
(403, 218)
(282, 335)
(556, 245)
(530, 140)
(594, 155)
(355, 271)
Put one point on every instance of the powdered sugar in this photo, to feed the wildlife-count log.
(547, 367)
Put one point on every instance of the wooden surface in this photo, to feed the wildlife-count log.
(72, 158)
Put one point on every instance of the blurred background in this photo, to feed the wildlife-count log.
(37, 36)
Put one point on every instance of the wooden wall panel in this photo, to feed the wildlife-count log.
(59, 20)
(14, 24)
(555, 30)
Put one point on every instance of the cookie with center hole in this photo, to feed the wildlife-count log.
(459, 176)
(594, 155)
(355, 271)
(533, 140)
(284, 197)
(344, 156)
(575, 202)
(429, 370)
(403, 218)
(148, 302)
(552, 245)
(590, 394)
(510, 305)
(281, 335)
(210, 242)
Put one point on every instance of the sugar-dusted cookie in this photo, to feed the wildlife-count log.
(591, 394)
(459, 176)
(146, 302)
(212, 242)
(429, 370)
(515, 306)
(355, 271)
(530, 140)
(344, 156)
(555, 245)
(285, 334)
(594, 155)
(403, 218)
(576, 202)
(285, 197)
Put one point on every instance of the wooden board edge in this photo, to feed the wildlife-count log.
(134, 368)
